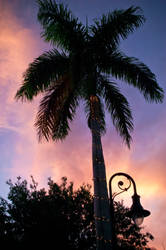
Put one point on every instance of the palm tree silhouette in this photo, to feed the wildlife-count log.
(79, 67)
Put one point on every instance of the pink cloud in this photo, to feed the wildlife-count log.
(145, 162)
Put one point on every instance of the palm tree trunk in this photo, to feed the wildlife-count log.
(101, 201)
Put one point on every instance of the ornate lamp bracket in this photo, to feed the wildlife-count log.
(121, 184)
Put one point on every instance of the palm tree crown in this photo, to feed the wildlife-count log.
(81, 69)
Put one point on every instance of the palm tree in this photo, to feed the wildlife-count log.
(79, 67)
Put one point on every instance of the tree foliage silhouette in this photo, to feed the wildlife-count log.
(80, 69)
(60, 217)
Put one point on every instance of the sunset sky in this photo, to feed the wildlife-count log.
(20, 152)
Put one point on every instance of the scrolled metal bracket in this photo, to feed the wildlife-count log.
(121, 184)
(122, 188)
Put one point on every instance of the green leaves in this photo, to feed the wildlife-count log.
(62, 214)
(129, 236)
(41, 73)
(60, 27)
(92, 55)
(56, 109)
(108, 30)
(119, 109)
(33, 218)
(134, 72)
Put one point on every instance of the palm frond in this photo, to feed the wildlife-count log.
(56, 110)
(108, 30)
(134, 72)
(60, 27)
(100, 115)
(45, 69)
(119, 108)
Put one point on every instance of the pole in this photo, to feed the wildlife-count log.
(112, 213)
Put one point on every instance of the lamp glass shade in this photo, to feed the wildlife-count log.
(138, 220)
(137, 212)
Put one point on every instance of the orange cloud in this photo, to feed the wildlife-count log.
(145, 162)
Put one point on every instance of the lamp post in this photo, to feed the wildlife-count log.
(137, 212)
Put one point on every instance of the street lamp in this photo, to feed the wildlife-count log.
(137, 212)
